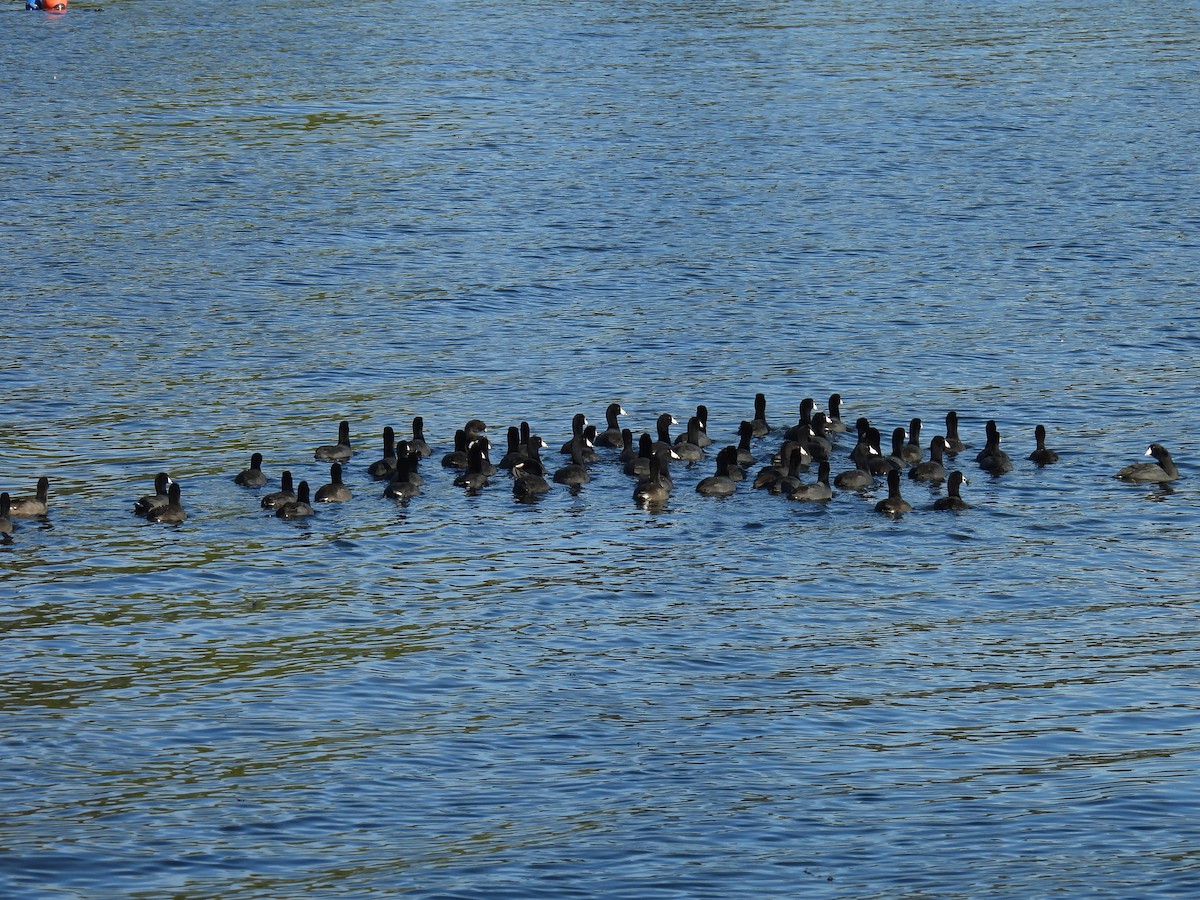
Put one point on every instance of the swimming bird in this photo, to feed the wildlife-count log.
(893, 504)
(652, 490)
(954, 443)
(778, 468)
(911, 454)
(687, 446)
(298, 508)
(162, 483)
(32, 507)
(6, 525)
(953, 498)
(1162, 471)
(818, 443)
(418, 444)
(1043, 455)
(932, 469)
(896, 460)
(836, 425)
(253, 476)
(531, 461)
(991, 430)
(336, 491)
(789, 480)
(611, 435)
(628, 451)
(859, 478)
(663, 424)
(474, 479)
(514, 454)
(339, 452)
(575, 472)
(476, 430)
(720, 484)
(745, 433)
(759, 422)
(817, 491)
(528, 485)
(171, 512)
(382, 468)
(992, 458)
(457, 458)
(402, 486)
(803, 427)
(404, 450)
(639, 466)
(578, 423)
(702, 414)
(285, 494)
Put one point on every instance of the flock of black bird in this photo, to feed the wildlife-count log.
(811, 441)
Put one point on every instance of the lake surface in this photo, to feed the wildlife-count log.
(229, 226)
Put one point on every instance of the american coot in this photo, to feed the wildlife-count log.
(991, 432)
(720, 484)
(513, 454)
(819, 490)
(575, 472)
(578, 423)
(1156, 472)
(382, 468)
(476, 477)
(702, 415)
(687, 446)
(663, 426)
(745, 434)
(628, 451)
(893, 504)
(528, 485)
(789, 480)
(953, 498)
(402, 486)
(298, 508)
(339, 452)
(172, 512)
(992, 458)
(818, 443)
(476, 430)
(285, 494)
(912, 453)
(143, 505)
(836, 425)
(611, 435)
(253, 476)
(653, 490)
(418, 443)
(931, 469)
(759, 422)
(859, 478)
(1043, 456)
(954, 443)
(639, 466)
(336, 491)
(803, 427)
(771, 473)
(896, 461)
(31, 507)
(457, 458)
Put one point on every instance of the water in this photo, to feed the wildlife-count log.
(228, 227)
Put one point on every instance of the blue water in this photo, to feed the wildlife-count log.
(228, 227)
